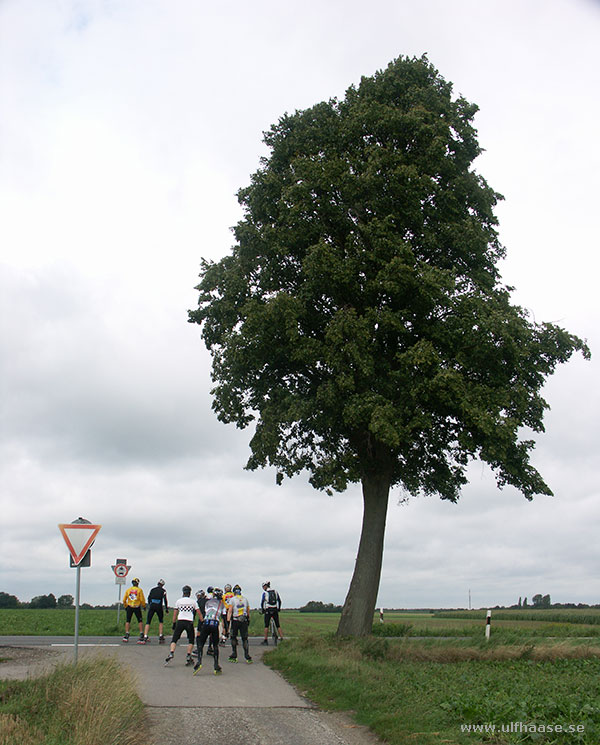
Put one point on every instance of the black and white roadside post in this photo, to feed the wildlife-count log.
(79, 537)
(488, 625)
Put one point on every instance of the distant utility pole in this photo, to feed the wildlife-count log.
(469, 599)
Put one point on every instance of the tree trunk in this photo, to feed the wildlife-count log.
(359, 607)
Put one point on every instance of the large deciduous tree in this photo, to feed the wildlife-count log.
(359, 319)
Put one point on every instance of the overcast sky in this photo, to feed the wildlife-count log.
(126, 128)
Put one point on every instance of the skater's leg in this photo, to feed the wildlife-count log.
(244, 635)
(200, 641)
(215, 641)
(234, 630)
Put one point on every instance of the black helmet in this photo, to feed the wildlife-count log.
(135, 581)
(210, 588)
(237, 590)
(266, 584)
(218, 593)
(186, 590)
(160, 582)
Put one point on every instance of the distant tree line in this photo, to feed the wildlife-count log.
(537, 601)
(46, 601)
(316, 606)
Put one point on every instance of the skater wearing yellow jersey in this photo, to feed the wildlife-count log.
(133, 602)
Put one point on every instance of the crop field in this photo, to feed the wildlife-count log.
(505, 624)
(431, 692)
(589, 616)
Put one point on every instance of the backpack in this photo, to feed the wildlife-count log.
(272, 598)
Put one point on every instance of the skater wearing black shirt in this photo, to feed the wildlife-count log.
(156, 598)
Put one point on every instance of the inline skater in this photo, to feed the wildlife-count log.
(239, 617)
(209, 627)
(156, 598)
(134, 601)
(184, 612)
(201, 600)
(270, 605)
(227, 595)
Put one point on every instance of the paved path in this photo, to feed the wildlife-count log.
(247, 703)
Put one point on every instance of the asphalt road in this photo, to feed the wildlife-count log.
(246, 703)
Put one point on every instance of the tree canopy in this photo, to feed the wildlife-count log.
(43, 601)
(359, 320)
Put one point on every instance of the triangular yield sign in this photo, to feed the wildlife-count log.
(78, 537)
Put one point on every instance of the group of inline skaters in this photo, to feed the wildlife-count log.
(219, 614)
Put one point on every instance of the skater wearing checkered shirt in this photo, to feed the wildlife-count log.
(184, 612)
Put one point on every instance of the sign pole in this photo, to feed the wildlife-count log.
(119, 606)
(77, 593)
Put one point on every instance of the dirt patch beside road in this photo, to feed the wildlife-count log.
(20, 663)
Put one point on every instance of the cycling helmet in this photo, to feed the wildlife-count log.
(266, 584)
(237, 590)
(160, 582)
(210, 589)
(227, 588)
(186, 590)
(218, 593)
(135, 581)
(200, 594)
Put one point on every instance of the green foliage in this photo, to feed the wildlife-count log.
(43, 601)
(8, 601)
(374, 649)
(392, 629)
(411, 692)
(316, 606)
(557, 692)
(59, 622)
(588, 616)
(93, 702)
(359, 316)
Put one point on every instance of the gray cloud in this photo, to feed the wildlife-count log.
(125, 142)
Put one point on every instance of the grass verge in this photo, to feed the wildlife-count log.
(85, 704)
(411, 691)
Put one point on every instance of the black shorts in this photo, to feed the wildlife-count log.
(137, 612)
(211, 632)
(158, 609)
(240, 625)
(269, 614)
(180, 627)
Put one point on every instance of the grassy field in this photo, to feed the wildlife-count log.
(505, 624)
(539, 672)
(55, 622)
(430, 692)
(93, 702)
